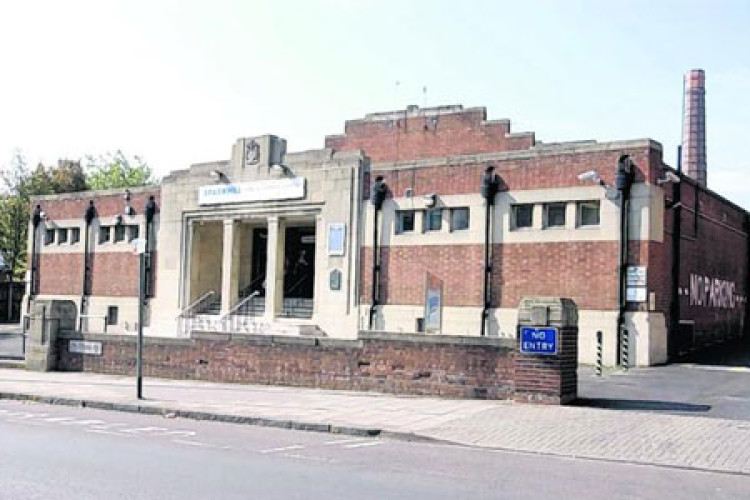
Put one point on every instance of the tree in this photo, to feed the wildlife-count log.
(117, 170)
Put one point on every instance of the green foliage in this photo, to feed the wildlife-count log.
(116, 170)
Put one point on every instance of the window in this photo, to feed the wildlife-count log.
(119, 233)
(112, 313)
(104, 234)
(62, 236)
(433, 219)
(554, 214)
(588, 213)
(49, 236)
(523, 216)
(459, 219)
(404, 221)
(133, 232)
(75, 235)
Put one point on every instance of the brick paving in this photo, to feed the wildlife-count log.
(640, 437)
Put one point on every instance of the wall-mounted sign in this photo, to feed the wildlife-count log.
(85, 347)
(336, 238)
(242, 192)
(635, 294)
(334, 279)
(538, 340)
(636, 276)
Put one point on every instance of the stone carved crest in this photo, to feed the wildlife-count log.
(252, 152)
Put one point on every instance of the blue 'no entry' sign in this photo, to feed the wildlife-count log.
(538, 340)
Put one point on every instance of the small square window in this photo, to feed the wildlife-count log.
(112, 313)
(405, 221)
(75, 235)
(104, 233)
(459, 219)
(433, 219)
(62, 236)
(523, 216)
(133, 232)
(119, 233)
(554, 214)
(49, 236)
(588, 213)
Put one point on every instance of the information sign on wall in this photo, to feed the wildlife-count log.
(275, 189)
(336, 238)
(538, 340)
(85, 347)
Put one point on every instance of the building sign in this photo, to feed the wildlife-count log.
(635, 281)
(538, 340)
(433, 307)
(85, 347)
(712, 292)
(334, 279)
(635, 294)
(336, 238)
(242, 192)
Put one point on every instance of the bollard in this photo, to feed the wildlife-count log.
(625, 349)
(599, 353)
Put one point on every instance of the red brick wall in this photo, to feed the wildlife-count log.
(412, 137)
(585, 271)
(74, 205)
(60, 273)
(471, 368)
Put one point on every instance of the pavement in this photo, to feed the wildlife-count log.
(683, 440)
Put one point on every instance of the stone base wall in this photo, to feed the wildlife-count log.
(452, 367)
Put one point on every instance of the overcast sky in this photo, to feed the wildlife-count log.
(178, 81)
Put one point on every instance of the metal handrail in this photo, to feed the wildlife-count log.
(239, 305)
(189, 309)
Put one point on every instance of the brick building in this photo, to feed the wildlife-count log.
(282, 243)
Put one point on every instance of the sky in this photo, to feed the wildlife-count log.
(177, 82)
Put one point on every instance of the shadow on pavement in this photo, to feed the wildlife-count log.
(733, 353)
(640, 404)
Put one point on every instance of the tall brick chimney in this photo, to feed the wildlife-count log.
(694, 126)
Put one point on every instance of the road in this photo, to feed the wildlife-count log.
(73, 453)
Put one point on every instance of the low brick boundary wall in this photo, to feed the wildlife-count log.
(444, 366)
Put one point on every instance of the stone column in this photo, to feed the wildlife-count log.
(275, 267)
(230, 267)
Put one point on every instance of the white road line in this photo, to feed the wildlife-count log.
(109, 433)
(82, 422)
(363, 445)
(180, 433)
(200, 444)
(284, 448)
(105, 426)
(57, 419)
(342, 441)
(144, 429)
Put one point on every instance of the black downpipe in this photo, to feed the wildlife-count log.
(36, 220)
(623, 183)
(379, 190)
(489, 187)
(150, 211)
(673, 339)
(88, 216)
(747, 282)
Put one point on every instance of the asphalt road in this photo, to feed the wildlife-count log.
(72, 453)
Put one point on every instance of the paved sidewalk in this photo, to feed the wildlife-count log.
(638, 437)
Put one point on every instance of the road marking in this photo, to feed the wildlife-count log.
(109, 433)
(144, 429)
(284, 448)
(363, 445)
(200, 444)
(55, 420)
(342, 441)
(82, 422)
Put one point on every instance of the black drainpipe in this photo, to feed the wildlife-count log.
(150, 212)
(489, 188)
(747, 281)
(379, 190)
(36, 219)
(88, 216)
(676, 206)
(623, 182)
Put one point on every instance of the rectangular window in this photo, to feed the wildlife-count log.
(554, 214)
(49, 236)
(404, 221)
(104, 232)
(459, 219)
(433, 219)
(75, 235)
(523, 216)
(62, 236)
(119, 233)
(112, 313)
(133, 232)
(588, 213)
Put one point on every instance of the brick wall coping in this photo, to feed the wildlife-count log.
(541, 149)
(413, 338)
(95, 193)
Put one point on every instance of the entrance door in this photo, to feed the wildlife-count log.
(299, 272)
(259, 257)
